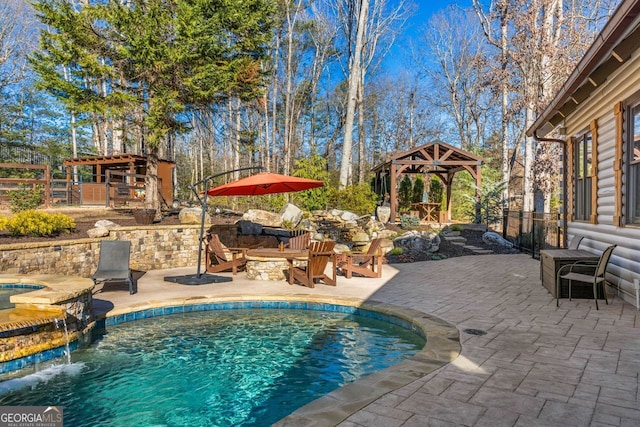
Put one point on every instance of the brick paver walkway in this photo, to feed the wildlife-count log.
(537, 365)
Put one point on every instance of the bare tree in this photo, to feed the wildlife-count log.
(16, 40)
(541, 43)
(500, 13)
(369, 29)
(454, 42)
(355, 74)
(304, 47)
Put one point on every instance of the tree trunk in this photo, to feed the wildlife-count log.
(504, 89)
(352, 94)
(362, 156)
(527, 202)
(151, 198)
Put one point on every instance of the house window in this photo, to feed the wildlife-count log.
(633, 161)
(582, 178)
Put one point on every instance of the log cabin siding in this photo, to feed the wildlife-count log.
(625, 262)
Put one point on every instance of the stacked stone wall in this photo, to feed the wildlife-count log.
(152, 248)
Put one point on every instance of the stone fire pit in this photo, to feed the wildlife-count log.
(262, 268)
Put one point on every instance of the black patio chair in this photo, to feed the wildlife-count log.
(113, 264)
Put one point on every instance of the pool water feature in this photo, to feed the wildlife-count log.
(222, 367)
(30, 331)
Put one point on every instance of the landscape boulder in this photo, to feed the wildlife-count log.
(418, 243)
(249, 227)
(193, 216)
(291, 214)
(98, 232)
(493, 238)
(267, 219)
(105, 223)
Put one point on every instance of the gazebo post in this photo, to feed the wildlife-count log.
(478, 190)
(449, 192)
(393, 195)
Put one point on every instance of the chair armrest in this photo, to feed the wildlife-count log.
(362, 257)
(570, 267)
(332, 254)
(238, 250)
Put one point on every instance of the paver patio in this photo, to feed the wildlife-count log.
(537, 365)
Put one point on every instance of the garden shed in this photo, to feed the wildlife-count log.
(436, 158)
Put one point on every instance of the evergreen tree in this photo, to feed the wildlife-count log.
(146, 62)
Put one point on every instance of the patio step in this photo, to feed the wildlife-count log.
(478, 251)
(461, 241)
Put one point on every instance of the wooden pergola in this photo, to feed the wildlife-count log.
(121, 173)
(437, 158)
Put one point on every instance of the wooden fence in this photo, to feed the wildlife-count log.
(43, 182)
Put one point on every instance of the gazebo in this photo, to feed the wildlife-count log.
(437, 158)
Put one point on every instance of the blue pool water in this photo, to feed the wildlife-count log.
(246, 367)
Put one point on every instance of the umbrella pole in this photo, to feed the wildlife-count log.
(199, 278)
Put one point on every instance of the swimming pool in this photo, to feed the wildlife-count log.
(223, 367)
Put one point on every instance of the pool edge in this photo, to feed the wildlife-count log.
(442, 347)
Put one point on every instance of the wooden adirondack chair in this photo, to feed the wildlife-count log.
(300, 242)
(319, 255)
(368, 265)
(217, 260)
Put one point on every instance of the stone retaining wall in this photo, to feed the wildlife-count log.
(152, 248)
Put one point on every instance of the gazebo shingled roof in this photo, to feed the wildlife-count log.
(435, 157)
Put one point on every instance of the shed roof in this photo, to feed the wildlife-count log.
(117, 159)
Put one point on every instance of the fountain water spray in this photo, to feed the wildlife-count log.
(67, 349)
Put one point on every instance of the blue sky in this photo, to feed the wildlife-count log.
(427, 8)
(397, 58)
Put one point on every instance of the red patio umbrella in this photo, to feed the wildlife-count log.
(264, 183)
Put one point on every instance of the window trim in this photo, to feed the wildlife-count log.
(583, 210)
(631, 168)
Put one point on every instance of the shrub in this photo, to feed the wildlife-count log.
(359, 199)
(405, 193)
(396, 251)
(436, 190)
(4, 221)
(34, 223)
(418, 189)
(455, 227)
(409, 221)
(26, 198)
(488, 210)
(313, 167)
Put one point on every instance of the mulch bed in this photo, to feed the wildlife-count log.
(82, 225)
(449, 250)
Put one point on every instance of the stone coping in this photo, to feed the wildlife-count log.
(57, 288)
(442, 346)
(44, 244)
(12, 319)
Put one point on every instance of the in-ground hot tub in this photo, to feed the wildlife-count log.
(46, 322)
